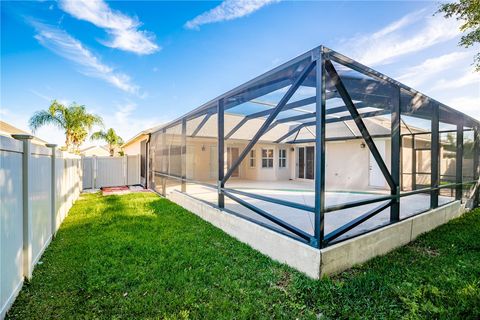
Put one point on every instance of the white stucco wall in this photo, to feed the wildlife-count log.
(134, 147)
(347, 163)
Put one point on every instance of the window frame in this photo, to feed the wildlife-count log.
(282, 158)
(269, 159)
(252, 160)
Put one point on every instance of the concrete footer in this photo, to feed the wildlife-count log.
(314, 262)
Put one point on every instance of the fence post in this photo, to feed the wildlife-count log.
(27, 212)
(53, 189)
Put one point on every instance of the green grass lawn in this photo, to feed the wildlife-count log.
(140, 256)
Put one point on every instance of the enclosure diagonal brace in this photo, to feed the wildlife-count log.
(359, 122)
(354, 223)
(270, 119)
(201, 124)
(236, 128)
(302, 234)
(296, 129)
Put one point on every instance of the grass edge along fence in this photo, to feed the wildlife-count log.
(38, 186)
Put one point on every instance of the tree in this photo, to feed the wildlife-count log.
(110, 137)
(74, 120)
(468, 11)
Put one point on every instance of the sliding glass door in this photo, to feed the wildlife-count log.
(306, 162)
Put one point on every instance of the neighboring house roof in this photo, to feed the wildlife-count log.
(7, 129)
(137, 137)
(141, 135)
(93, 147)
(99, 151)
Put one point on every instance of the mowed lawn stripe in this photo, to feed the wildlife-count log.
(141, 256)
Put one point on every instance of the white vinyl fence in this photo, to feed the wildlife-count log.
(101, 172)
(38, 186)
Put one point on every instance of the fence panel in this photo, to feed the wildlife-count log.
(101, 172)
(110, 172)
(87, 164)
(133, 170)
(27, 218)
(11, 221)
(60, 204)
(40, 198)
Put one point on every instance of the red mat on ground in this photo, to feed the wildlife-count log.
(113, 189)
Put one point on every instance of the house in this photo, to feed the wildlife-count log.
(273, 161)
(99, 151)
(138, 145)
(7, 129)
(134, 145)
(315, 148)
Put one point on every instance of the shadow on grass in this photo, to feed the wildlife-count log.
(138, 256)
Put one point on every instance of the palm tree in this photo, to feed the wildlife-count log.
(74, 120)
(110, 137)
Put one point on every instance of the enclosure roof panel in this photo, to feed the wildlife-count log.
(367, 88)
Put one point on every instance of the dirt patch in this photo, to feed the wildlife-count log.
(426, 251)
(106, 191)
(283, 282)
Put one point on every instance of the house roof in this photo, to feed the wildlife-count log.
(7, 129)
(135, 138)
(140, 135)
(93, 147)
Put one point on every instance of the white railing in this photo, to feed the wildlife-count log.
(38, 185)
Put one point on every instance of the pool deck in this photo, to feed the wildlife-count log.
(302, 192)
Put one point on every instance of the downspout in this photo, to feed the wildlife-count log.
(147, 157)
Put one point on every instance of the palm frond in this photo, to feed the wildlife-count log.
(99, 135)
(41, 118)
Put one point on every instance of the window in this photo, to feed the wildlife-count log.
(267, 158)
(282, 158)
(252, 159)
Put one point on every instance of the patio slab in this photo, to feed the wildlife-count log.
(302, 192)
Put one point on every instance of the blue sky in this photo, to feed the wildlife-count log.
(138, 64)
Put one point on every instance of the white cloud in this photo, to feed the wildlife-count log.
(123, 29)
(399, 24)
(468, 105)
(227, 10)
(432, 67)
(469, 77)
(412, 33)
(124, 112)
(450, 78)
(63, 44)
(126, 121)
(40, 95)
